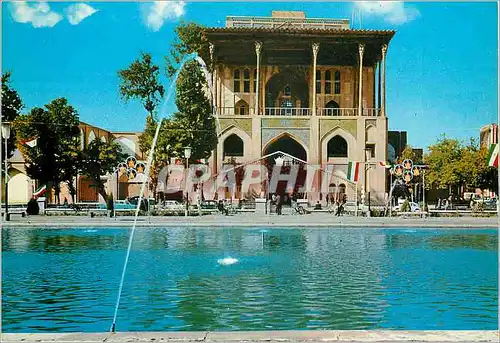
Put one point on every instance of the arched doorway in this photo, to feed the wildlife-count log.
(286, 92)
(337, 147)
(290, 146)
(233, 146)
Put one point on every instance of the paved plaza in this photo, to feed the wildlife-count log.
(325, 220)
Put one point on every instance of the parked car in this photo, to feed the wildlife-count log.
(413, 207)
(209, 205)
(173, 205)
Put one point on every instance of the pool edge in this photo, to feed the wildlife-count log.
(260, 336)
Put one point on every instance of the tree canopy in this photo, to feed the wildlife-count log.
(55, 158)
(11, 107)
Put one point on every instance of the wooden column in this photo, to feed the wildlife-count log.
(258, 49)
(315, 47)
(382, 105)
(379, 70)
(361, 50)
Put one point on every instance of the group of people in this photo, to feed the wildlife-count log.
(337, 205)
(277, 200)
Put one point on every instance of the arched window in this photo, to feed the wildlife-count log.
(236, 83)
(337, 82)
(255, 81)
(246, 81)
(318, 81)
(328, 82)
(337, 147)
(233, 146)
(287, 91)
(332, 108)
(241, 108)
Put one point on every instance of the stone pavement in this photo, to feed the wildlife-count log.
(262, 336)
(324, 220)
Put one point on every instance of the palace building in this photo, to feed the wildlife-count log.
(312, 88)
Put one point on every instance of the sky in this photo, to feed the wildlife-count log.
(442, 74)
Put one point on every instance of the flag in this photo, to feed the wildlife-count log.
(353, 171)
(31, 142)
(386, 165)
(493, 155)
(40, 191)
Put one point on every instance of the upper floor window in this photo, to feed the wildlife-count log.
(246, 81)
(337, 82)
(318, 82)
(236, 81)
(287, 91)
(328, 82)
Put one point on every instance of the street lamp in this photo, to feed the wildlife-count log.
(187, 155)
(6, 135)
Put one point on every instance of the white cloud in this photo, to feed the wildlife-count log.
(155, 14)
(39, 14)
(76, 13)
(394, 12)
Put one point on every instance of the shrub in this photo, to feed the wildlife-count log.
(405, 207)
(110, 203)
(32, 208)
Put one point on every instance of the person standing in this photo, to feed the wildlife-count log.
(278, 204)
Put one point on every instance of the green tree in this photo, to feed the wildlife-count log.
(441, 159)
(100, 158)
(409, 153)
(55, 158)
(11, 107)
(189, 39)
(140, 81)
(193, 125)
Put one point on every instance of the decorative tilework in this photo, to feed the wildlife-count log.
(244, 124)
(302, 135)
(285, 123)
(326, 125)
(369, 122)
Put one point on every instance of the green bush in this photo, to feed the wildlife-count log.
(144, 205)
(32, 208)
(405, 207)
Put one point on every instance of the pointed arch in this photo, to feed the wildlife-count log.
(245, 137)
(282, 135)
(349, 139)
(336, 147)
(241, 108)
(92, 136)
(371, 134)
(332, 108)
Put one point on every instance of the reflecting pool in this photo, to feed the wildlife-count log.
(192, 279)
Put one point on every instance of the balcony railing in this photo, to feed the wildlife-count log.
(339, 112)
(287, 111)
(297, 111)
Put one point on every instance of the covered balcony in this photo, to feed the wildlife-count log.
(297, 112)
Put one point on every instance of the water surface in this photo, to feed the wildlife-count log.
(188, 279)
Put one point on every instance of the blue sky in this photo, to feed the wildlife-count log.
(441, 67)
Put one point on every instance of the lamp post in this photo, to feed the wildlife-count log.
(187, 155)
(6, 135)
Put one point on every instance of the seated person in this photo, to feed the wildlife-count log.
(317, 206)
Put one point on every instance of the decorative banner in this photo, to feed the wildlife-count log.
(140, 167)
(407, 175)
(122, 168)
(416, 170)
(131, 162)
(131, 173)
(407, 164)
(398, 170)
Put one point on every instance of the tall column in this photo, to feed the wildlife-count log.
(258, 48)
(382, 105)
(379, 82)
(214, 78)
(361, 49)
(315, 47)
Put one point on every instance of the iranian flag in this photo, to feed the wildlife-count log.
(386, 165)
(40, 191)
(353, 171)
(31, 142)
(493, 156)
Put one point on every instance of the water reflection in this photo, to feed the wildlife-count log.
(65, 280)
